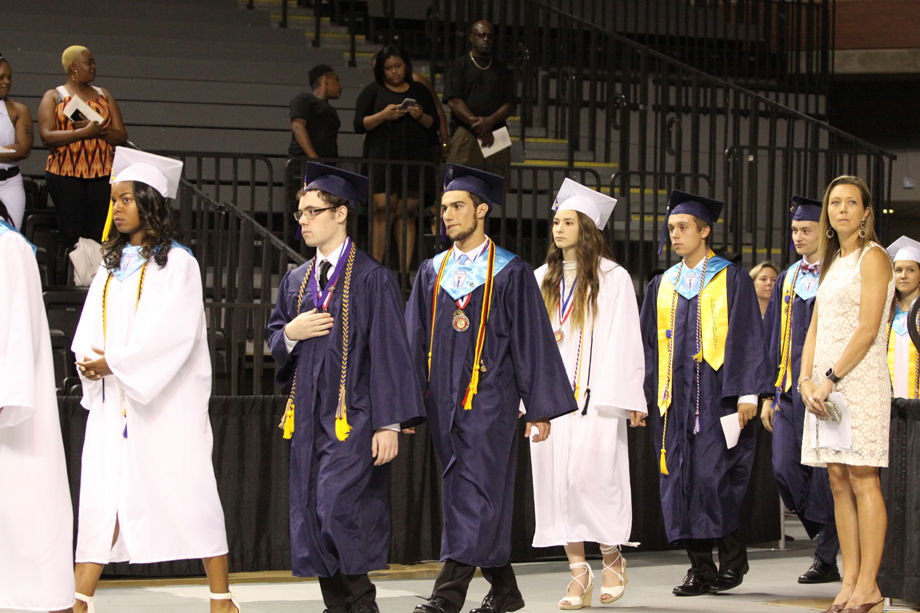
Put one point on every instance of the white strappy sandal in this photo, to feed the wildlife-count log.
(89, 600)
(227, 596)
(609, 595)
(571, 603)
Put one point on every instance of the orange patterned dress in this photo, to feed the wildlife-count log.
(90, 158)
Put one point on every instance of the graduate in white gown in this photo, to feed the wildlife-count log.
(147, 488)
(581, 473)
(36, 517)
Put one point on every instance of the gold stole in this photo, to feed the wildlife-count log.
(713, 301)
(912, 364)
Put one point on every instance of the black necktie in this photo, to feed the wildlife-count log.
(324, 267)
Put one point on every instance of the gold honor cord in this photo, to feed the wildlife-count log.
(783, 380)
(137, 299)
(473, 388)
(342, 427)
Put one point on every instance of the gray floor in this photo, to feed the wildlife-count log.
(771, 583)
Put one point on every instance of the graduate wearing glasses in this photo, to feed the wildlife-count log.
(338, 336)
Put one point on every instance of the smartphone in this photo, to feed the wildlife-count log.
(406, 103)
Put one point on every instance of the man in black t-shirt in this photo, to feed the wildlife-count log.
(480, 94)
(314, 127)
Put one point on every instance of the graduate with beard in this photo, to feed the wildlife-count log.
(481, 343)
(804, 489)
(704, 360)
(338, 335)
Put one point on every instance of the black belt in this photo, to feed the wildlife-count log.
(8, 173)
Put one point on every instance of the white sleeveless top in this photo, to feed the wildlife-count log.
(7, 132)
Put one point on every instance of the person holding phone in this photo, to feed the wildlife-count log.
(79, 151)
(397, 115)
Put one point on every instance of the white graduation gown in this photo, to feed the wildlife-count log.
(158, 481)
(581, 472)
(36, 516)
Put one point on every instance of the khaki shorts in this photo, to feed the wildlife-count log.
(464, 149)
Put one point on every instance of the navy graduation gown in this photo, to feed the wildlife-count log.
(478, 448)
(701, 496)
(340, 520)
(804, 489)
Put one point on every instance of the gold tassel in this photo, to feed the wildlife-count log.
(342, 428)
(662, 464)
(698, 357)
(471, 390)
(108, 226)
(287, 421)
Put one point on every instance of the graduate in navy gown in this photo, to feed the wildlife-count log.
(344, 415)
(705, 358)
(490, 347)
(804, 489)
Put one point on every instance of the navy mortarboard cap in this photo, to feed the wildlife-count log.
(490, 187)
(706, 209)
(805, 209)
(683, 203)
(346, 185)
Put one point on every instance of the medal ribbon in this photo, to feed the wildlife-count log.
(321, 298)
(137, 299)
(566, 304)
(473, 387)
(342, 427)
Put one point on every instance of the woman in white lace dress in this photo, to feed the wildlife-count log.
(845, 351)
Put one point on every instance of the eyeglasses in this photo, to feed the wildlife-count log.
(311, 213)
(483, 35)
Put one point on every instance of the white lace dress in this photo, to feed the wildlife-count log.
(866, 388)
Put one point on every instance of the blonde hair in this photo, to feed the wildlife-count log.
(759, 268)
(70, 54)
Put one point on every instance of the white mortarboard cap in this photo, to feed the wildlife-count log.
(904, 249)
(576, 197)
(160, 173)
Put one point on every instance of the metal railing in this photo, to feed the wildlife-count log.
(241, 265)
(666, 124)
(783, 48)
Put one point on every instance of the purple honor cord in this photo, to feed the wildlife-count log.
(321, 298)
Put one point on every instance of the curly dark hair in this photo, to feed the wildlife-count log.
(157, 220)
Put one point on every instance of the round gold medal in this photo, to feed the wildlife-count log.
(461, 322)
(559, 334)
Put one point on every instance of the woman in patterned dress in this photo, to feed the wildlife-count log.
(79, 151)
(845, 351)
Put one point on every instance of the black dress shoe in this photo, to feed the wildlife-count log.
(336, 609)
(367, 606)
(820, 572)
(435, 604)
(728, 579)
(489, 605)
(693, 585)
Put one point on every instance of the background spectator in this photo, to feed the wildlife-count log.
(15, 145)
(480, 94)
(764, 275)
(314, 127)
(395, 132)
(79, 152)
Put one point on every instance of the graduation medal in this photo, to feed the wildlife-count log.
(461, 322)
(565, 308)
